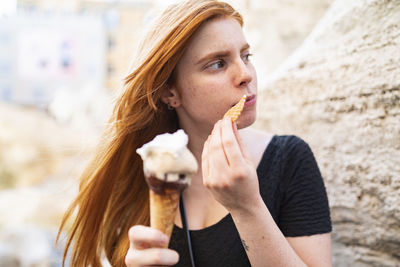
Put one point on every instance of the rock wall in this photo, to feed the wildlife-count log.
(340, 91)
(275, 28)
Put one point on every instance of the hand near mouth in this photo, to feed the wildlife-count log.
(228, 170)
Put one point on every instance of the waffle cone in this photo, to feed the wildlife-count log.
(235, 111)
(163, 208)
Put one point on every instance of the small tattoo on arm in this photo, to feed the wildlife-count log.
(246, 247)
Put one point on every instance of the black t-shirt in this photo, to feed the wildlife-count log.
(293, 190)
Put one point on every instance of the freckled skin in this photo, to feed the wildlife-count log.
(208, 89)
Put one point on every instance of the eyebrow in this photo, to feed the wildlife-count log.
(220, 54)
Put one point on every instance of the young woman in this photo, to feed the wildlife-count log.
(257, 200)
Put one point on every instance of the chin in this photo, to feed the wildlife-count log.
(245, 120)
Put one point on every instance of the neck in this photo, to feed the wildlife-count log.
(196, 144)
(197, 134)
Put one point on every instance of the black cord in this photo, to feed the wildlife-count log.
(185, 228)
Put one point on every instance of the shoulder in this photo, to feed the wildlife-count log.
(251, 135)
(294, 152)
(297, 160)
(292, 145)
(256, 142)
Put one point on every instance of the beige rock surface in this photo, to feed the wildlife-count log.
(340, 91)
(275, 28)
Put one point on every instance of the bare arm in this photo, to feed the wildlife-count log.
(314, 250)
(265, 244)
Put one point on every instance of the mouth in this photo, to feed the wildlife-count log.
(250, 100)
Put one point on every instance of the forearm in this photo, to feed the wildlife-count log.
(263, 241)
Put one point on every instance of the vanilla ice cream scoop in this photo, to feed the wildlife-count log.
(167, 162)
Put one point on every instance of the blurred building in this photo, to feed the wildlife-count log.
(40, 55)
(48, 46)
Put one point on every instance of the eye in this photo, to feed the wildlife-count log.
(216, 65)
(246, 57)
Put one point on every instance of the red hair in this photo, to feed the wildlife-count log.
(113, 194)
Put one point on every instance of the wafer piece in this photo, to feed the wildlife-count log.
(235, 111)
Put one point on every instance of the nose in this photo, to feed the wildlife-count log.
(243, 74)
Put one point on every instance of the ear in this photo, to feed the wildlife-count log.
(171, 96)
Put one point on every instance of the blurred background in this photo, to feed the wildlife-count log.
(61, 64)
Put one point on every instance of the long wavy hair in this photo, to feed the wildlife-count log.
(113, 193)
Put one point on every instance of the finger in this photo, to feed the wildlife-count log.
(152, 257)
(230, 143)
(217, 157)
(143, 237)
(242, 147)
(204, 159)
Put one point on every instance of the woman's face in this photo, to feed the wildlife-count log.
(213, 74)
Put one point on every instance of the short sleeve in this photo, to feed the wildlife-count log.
(304, 208)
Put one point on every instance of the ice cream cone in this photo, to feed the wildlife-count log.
(168, 166)
(163, 209)
(235, 111)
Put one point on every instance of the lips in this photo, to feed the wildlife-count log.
(250, 100)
